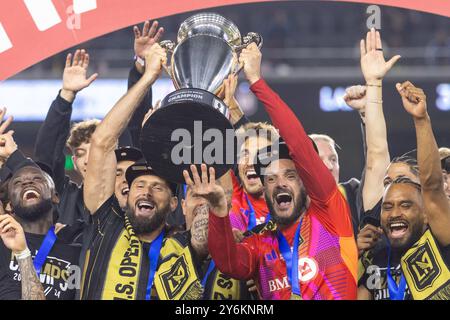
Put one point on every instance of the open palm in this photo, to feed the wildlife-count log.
(75, 72)
(147, 38)
(373, 65)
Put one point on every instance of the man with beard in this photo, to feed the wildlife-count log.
(249, 208)
(56, 132)
(308, 213)
(122, 249)
(32, 197)
(187, 254)
(415, 219)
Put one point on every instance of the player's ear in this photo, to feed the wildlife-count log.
(173, 203)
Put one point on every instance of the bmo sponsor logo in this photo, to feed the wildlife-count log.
(277, 284)
(307, 271)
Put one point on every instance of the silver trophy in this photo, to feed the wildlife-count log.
(206, 53)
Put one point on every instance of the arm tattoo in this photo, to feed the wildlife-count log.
(31, 286)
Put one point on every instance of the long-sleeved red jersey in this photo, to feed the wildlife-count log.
(327, 251)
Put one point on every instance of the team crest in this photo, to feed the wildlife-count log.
(175, 278)
(307, 269)
(423, 267)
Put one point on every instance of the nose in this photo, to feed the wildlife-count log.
(86, 157)
(281, 182)
(328, 164)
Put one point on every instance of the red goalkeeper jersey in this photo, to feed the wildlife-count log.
(327, 251)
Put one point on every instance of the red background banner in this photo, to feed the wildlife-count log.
(29, 35)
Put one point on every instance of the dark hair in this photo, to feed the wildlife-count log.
(81, 132)
(406, 180)
(409, 160)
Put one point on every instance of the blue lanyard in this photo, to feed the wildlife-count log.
(250, 213)
(211, 267)
(395, 292)
(44, 250)
(153, 257)
(291, 258)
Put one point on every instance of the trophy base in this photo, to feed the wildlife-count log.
(190, 127)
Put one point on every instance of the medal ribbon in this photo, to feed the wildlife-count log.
(395, 292)
(291, 258)
(44, 250)
(153, 256)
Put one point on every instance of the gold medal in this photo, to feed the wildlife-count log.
(295, 297)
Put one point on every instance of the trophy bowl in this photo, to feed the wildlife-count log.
(192, 124)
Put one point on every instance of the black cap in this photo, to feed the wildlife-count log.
(45, 167)
(128, 153)
(142, 168)
(277, 151)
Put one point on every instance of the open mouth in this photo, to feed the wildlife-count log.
(251, 175)
(398, 229)
(125, 191)
(145, 207)
(30, 194)
(283, 200)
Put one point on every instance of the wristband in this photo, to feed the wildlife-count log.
(374, 85)
(139, 60)
(23, 255)
(376, 101)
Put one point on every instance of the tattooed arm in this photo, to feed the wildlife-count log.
(13, 237)
(31, 286)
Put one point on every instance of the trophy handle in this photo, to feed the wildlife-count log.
(169, 46)
(251, 37)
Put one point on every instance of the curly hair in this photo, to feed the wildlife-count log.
(81, 132)
(270, 132)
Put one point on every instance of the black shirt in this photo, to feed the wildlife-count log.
(374, 268)
(100, 239)
(55, 273)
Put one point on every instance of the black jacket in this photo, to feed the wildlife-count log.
(50, 145)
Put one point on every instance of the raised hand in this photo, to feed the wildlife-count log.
(250, 58)
(12, 234)
(355, 98)
(75, 75)
(7, 143)
(147, 38)
(414, 99)
(373, 65)
(229, 90)
(207, 188)
(155, 58)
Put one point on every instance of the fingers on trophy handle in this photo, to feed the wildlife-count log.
(251, 37)
(169, 46)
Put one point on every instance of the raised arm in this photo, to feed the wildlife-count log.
(436, 202)
(308, 163)
(235, 260)
(53, 133)
(143, 40)
(13, 238)
(374, 69)
(101, 169)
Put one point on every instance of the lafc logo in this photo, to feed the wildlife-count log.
(175, 278)
(422, 266)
